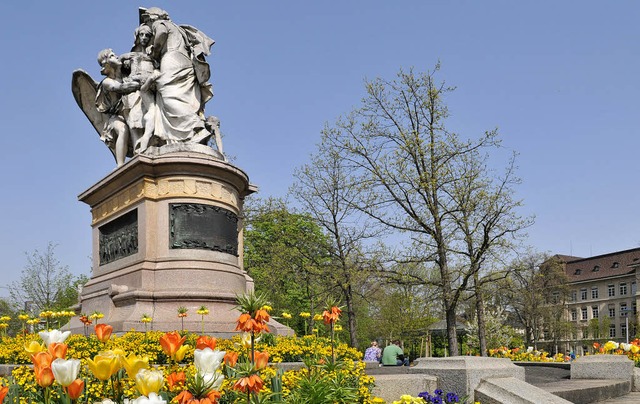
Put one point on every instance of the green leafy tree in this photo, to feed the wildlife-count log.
(415, 176)
(283, 253)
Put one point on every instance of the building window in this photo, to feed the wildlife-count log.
(555, 297)
(584, 313)
(623, 330)
(615, 265)
(583, 294)
(612, 312)
(578, 272)
(574, 315)
(612, 290)
(596, 268)
(612, 331)
(623, 309)
(623, 288)
(594, 311)
(574, 295)
(633, 288)
(594, 293)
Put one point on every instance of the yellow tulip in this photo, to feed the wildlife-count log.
(610, 345)
(181, 352)
(635, 349)
(103, 366)
(149, 381)
(133, 363)
(33, 347)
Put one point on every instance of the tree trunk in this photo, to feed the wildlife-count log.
(452, 333)
(482, 326)
(351, 318)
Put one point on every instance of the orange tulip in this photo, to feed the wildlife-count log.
(176, 379)
(44, 376)
(205, 341)
(171, 343)
(75, 389)
(3, 392)
(58, 350)
(42, 359)
(261, 360)
(252, 383)
(231, 358)
(103, 332)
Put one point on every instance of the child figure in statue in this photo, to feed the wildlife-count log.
(111, 90)
(141, 104)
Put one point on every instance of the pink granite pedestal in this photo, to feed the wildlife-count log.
(147, 265)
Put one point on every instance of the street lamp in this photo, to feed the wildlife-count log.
(625, 313)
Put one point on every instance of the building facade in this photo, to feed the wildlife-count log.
(603, 298)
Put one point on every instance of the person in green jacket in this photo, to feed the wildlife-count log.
(392, 355)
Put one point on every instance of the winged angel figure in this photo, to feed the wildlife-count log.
(155, 94)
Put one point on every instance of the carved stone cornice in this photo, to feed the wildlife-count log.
(173, 176)
(166, 188)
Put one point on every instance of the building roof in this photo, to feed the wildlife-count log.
(601, 266)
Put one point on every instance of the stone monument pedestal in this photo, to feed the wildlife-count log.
(167, 233)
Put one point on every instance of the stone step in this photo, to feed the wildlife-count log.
(585, 391)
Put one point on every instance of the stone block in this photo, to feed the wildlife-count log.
(462, 374)
(509, 390)
(391, 387)
(636, 379)
(603, 367)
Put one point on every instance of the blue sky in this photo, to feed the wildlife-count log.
(558, 79)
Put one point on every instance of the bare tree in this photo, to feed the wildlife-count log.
(44, 283)
(323, 190)
(537, 291)
(410, 174)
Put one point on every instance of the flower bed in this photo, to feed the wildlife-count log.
(631, 350)
(156, 367)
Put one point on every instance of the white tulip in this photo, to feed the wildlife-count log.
(152, 399)
(65, 371)
(207, 360)
(212, 380)
(49, 337)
